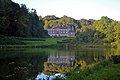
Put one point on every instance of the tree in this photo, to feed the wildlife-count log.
(8, 17)
(117, 32)
(86, 36)
(45, 24)
(17, 21)
(50, 17)
(106, 26)
(85, 22)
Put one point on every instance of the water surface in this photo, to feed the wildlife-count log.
(26, 63)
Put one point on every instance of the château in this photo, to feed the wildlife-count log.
(64, 31)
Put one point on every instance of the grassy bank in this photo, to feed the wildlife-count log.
(13, 42)
(43, 41)
(10, 41)
(16, 42)
(105, 70)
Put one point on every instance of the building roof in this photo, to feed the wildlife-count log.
(60, 27)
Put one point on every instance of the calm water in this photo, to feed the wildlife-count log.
(24, 64)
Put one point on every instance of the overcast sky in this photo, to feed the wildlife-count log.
(78, 9)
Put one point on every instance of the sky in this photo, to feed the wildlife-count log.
(78, 9)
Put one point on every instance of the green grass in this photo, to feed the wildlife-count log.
(111, 72)
(105, 70)
(46, 41)
(10, 41)
(4, 40)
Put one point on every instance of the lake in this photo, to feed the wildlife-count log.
(26, 63)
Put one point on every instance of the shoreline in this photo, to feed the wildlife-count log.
(54, 46)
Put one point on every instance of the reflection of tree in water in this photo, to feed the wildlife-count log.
(92, 55)
(66, 61)
(21, 68)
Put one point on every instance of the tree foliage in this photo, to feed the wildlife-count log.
(105, 30)
(86, 36)
(16, 20)
(54, 21)
(106, 26)
(117, 31)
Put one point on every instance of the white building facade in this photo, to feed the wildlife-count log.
(61, 31)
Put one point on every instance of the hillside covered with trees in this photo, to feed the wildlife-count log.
(18, 20)
(103, 31)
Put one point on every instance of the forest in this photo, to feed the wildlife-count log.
(19, 21)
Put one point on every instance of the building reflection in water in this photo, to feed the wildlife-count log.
(61, 58)
(66, 61)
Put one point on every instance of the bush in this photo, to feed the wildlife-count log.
(116, 59)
